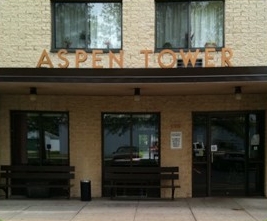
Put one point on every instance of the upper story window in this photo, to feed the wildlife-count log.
(189, 24)
(87, 26)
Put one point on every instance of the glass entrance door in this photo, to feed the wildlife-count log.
(228, 153)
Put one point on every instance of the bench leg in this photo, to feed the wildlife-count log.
(113, 192)
(5, 189)
(68, 196)
(173, 190)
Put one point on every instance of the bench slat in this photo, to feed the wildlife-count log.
(141, 169)
(141, 177)
(141, 186)
(41, 176)
(33, 176)
(38, 168)
(37, 185)
(117, 176)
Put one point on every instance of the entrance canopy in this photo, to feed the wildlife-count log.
(121, 82)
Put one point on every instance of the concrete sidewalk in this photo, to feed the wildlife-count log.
(191, 209)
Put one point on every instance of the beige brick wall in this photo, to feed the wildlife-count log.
(26, 30)
(85, 128)
(245, 31)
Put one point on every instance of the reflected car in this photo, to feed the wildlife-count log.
(126, 153)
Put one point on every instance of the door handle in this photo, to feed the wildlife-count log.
(213, 148)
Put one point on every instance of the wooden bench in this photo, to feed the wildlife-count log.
(25, 176)
(141, 178)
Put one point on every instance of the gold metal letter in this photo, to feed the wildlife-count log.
(209, 57)
(161, 54)
(60, 56)
(80, 59)
(226, 59)
(96, 59)
(146, 52)
(189, 57)
(118, 61)
(42, 60)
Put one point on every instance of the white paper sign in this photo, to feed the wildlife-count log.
(176, 140)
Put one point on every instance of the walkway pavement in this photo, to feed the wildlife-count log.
(191, 209)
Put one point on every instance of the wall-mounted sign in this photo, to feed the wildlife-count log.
(176, 140)
(96, 57)
(214, 148)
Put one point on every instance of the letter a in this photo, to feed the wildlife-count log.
(44, 59)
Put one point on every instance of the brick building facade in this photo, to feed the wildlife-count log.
(26, 31)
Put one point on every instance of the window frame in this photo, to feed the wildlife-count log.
(188, 25)
(53, 28)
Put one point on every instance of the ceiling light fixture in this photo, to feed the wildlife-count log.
(33, 94)
(238, 93)
(137, 94)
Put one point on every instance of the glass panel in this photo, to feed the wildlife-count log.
(256, 154)
(228, 155)
(70, 25)
(256, 178)
(199, 177)
(175, 30)
(199, 152)
(105, 25)
(116, 129)
(40, 139)
(55, 132)
(254, 137)
(33, 154)
(207, 24)
(91, 25)
(172, 24)
(145, 137)
(199, 139)
(130, 139)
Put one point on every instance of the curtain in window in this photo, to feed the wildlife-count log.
(91, 25)
(172, 25)
(207, 24)
(70, 25)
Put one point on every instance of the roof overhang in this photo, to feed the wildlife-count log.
(152, 81)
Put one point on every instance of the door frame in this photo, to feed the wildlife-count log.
(205, 164)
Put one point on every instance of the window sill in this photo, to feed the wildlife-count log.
(217, 49)
(73, 50)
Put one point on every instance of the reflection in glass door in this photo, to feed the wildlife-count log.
(200, 156)
(130, 140)
(228, 153)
